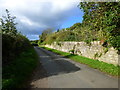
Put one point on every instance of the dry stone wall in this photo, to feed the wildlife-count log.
(93, 51)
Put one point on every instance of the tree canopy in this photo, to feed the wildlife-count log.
(8, 24)
(103, 17)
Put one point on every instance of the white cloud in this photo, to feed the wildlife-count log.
(33, 16)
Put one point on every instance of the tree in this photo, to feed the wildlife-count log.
(8, 26)
(76, 25)
(44, 35)
(58, 30)
(103, 17)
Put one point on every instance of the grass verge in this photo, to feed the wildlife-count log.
(96, 64)
(17, 72)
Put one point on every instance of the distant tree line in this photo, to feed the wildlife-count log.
(34, 42)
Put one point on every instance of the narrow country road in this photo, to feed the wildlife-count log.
(65, 73)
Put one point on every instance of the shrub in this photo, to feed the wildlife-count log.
(72, 51)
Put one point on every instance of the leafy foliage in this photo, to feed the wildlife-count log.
(77, 32)
(44, 35)
(34, 42)
(13, 43)
(103, 17)
(8, 25)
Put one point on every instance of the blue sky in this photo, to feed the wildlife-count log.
(34, 16)
(72, 20)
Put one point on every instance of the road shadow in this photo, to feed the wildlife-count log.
(63, 67)
(54, 67)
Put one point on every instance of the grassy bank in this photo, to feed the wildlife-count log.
(17, 72)
(102, 66)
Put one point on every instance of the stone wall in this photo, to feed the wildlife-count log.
(93, 51)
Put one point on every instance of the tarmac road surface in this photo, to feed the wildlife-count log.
(62, 72)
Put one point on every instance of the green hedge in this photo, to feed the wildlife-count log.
(12, 46)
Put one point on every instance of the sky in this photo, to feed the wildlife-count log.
(34, 16)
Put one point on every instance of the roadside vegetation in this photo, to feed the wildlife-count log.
(34, 42)
(100, 23)
(102, 66)
(16, 74)
(18, 56)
